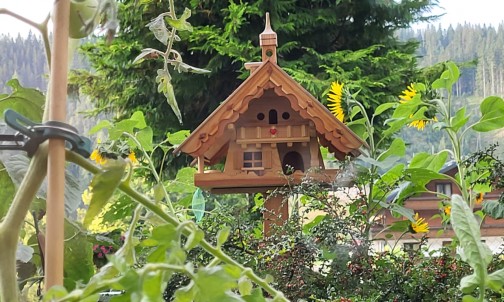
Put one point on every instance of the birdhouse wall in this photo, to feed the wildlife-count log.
(270, 109)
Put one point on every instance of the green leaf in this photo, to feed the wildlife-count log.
(158, 192)
(383, 107)
(54, 293)
(145, 52)
(403, 211)
(392, 175)
(399, 226)
(103, 186)
(181, 23)
(423, 176)
(495, 280)
(316, 221)
(214, 284)
(138, 116)
(492, 112)
(245, 286)
(164, 86)
(25, 101)
(194, 239)
(198, 204)
(183, 67)
(354, 112)
(78, 256)
(449, 77)
(255, 296)
(397, 148)
(186, 293)
(144, 137)
(178, 137)
(7, 192)
(222, 235)
(385, 164)
(158, 27)
(460, 119)
(467, 229)
(153, 287)
(101, 125)
(468, 298)
(183, 182)
(432, 162)
(494, 209)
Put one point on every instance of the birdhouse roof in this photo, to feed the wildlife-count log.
(208, 139)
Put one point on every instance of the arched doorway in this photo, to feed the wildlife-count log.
(291, 162)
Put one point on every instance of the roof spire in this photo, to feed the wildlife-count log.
(268, 42)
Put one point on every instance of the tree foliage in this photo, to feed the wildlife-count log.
(225, 35)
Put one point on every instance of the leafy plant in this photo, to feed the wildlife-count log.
(476, 253)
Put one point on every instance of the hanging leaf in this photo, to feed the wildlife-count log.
(164, 86)
(25, 101)
(24, 253)
(476, 254)
(7, 192)
(494, 209)
(198, 204)
(17, 165)
(147, 52)
(103, 186)
(158, 27)
(183, 67)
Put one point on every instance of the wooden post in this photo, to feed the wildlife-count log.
(276, 213)
(201, 164)
(56, 162)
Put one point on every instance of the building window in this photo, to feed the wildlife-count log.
(411, 246)
(252, 159)
(444, 188)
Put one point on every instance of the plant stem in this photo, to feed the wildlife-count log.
(10, 227)
(153, 170)
(147, 203)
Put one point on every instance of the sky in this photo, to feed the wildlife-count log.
(488, 12)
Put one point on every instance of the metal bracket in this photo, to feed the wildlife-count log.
(30, 135)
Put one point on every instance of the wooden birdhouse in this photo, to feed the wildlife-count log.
(268, 127)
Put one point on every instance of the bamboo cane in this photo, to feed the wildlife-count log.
(56, 161)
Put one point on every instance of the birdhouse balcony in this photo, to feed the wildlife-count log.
(273, 134)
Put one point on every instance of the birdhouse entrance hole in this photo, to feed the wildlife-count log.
(292, 161)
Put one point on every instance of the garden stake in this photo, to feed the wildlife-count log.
(56, 161)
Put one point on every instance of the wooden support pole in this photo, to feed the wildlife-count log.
(201, 164)
(276, 213)
(56, 162)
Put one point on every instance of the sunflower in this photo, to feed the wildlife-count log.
(447, 210)
(334, 98)
(420, 124)
(479, 198)
(408, 94)
(419, 225)
(98, 158)
(132, 158)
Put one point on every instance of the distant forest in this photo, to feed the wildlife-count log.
(478, 49)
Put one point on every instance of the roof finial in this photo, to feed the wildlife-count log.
(268, 42)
